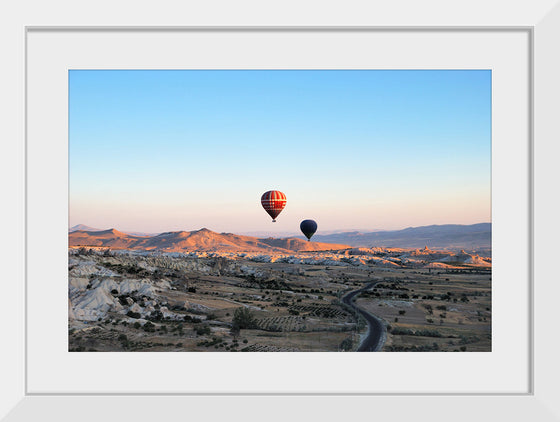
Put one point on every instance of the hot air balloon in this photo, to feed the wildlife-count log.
(308, 228)
(273, 203)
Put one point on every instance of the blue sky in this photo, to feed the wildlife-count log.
(168, 150)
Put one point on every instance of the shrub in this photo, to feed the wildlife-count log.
(428, 333)
(156, 315)
(401, 331)
(203, 330)
(346, 344)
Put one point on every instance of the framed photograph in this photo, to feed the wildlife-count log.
(512, 374)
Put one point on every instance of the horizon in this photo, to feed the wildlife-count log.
(255, 233)
(165, 150)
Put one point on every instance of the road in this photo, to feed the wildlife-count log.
(376, 332)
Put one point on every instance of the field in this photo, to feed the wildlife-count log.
(433, 311)
(135, 303)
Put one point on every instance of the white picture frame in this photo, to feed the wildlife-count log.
(540, 20)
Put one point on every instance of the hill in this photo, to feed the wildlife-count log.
(82, 227)
(107, 238)
(199, 240)
(447, 236)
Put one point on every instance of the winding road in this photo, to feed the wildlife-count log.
(376, 331)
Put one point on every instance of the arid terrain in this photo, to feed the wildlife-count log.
(204, 291)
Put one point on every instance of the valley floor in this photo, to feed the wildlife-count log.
(136, 302)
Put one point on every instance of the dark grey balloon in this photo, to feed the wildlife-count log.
(308, 228)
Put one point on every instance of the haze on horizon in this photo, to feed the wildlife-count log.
(157, 151)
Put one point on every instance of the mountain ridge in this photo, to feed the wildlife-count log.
(197, 240)
(446, 236)
(450, 236)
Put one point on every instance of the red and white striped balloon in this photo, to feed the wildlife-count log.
(273, 203)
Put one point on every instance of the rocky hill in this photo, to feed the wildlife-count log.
(199, 240)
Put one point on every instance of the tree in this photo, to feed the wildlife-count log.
(235, 330)
(244, 318)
